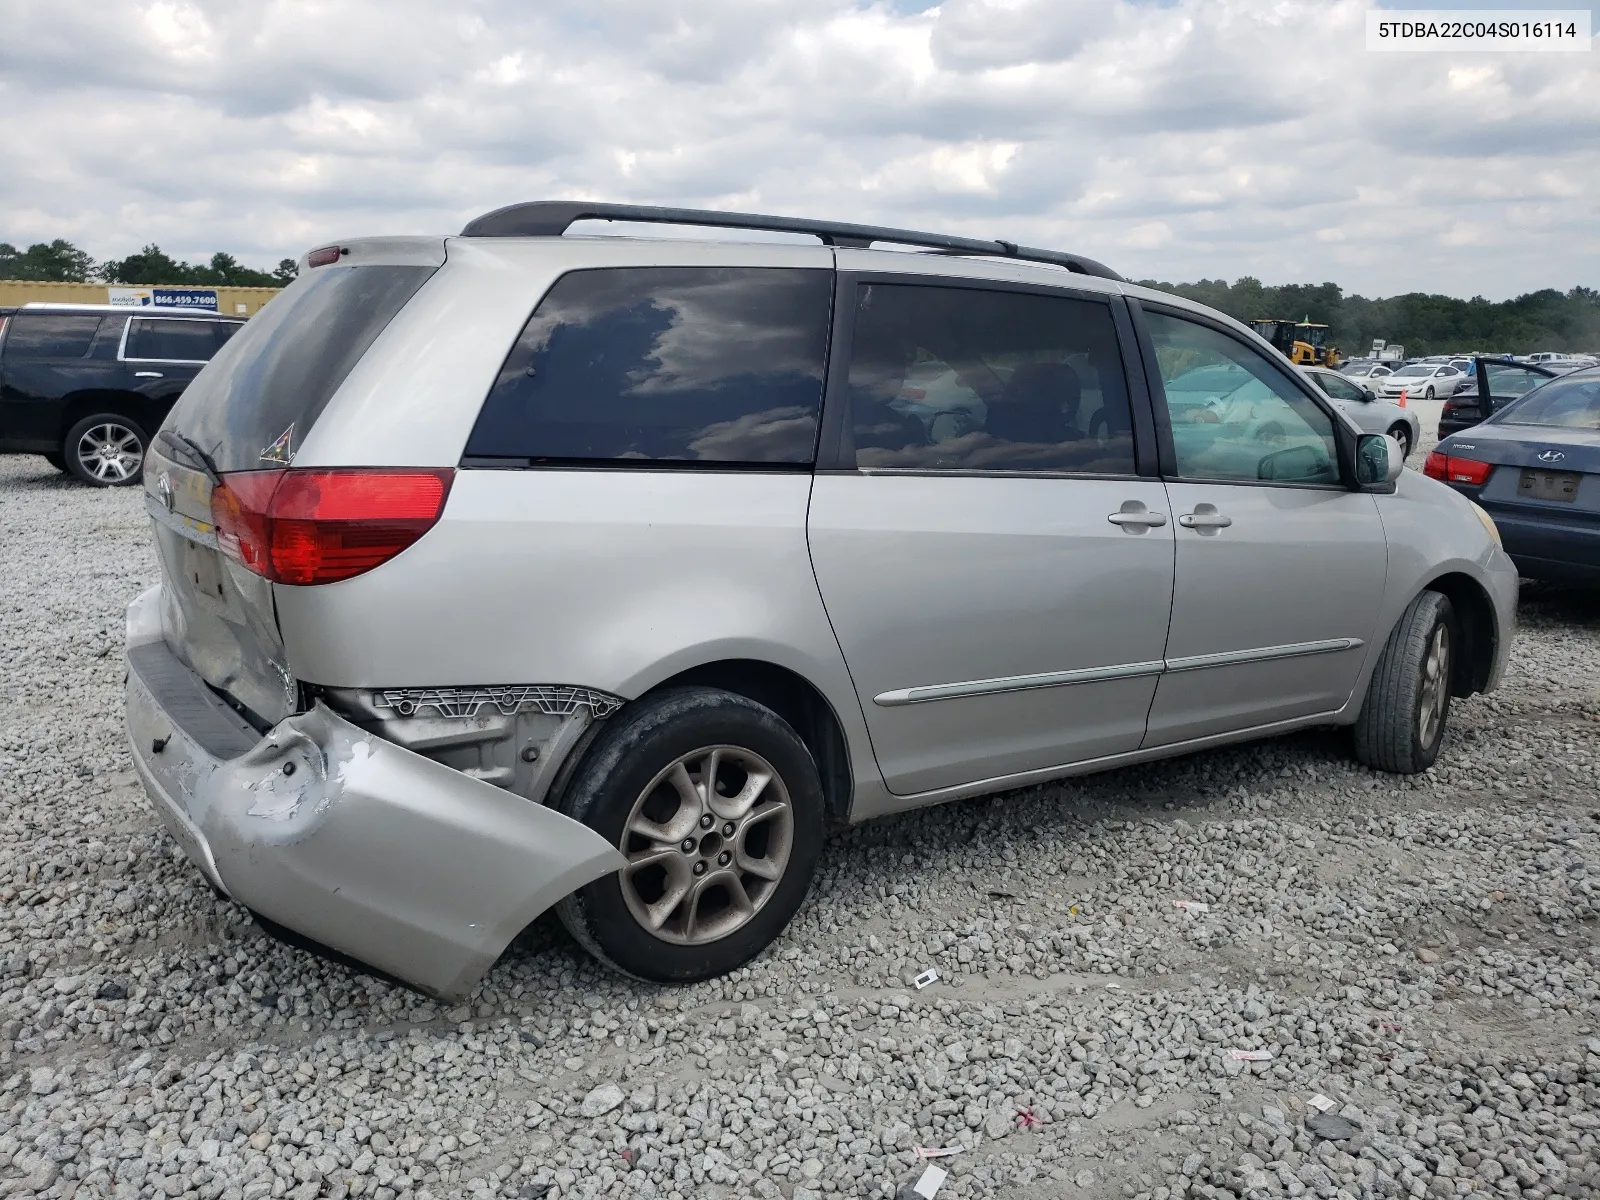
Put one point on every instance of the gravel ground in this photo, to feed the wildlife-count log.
(1421, 952)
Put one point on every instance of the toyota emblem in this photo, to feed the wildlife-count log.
(1551, 456)
(164, 490)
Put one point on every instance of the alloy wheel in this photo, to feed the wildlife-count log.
(1434, 692)
(109, 452)
(707, 843)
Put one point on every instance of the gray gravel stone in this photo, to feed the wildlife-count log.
(1421, 951)
(601, 1100)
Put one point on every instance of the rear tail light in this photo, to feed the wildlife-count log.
(313, 526)
(1457, 470)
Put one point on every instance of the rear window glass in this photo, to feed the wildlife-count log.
(253, 405)
(665, 364)
(1564, 403)
(176, 341)
(50, 335)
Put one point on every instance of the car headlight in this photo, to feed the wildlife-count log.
(1488, 523)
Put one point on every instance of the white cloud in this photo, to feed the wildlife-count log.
(1199, 138)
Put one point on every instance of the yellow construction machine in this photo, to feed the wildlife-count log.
(1304, 343)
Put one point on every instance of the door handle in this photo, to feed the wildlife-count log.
(1205, 518)
(1134, 516)
(147, 375)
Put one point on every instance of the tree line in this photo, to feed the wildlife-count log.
(1422, 323)
(61, 261)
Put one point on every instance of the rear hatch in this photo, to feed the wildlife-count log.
(249, 411)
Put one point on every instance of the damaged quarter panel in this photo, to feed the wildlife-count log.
(359, 844)
(606, 579)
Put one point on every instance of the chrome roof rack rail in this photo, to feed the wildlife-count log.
(551, 218)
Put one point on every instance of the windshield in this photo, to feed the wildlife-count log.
(1565, 403)
(1416, 372)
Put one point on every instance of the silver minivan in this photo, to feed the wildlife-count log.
(529, 568)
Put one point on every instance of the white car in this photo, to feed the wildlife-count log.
(1422, 381)
(1363, 406)
(1368, 373)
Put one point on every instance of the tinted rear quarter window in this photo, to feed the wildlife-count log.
(276, 375)
(50, 335)
(956, 378)
(665, 365)
(174, 340)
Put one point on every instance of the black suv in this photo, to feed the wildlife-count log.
(86, 385)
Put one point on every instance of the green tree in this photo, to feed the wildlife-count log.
(152, 266)
(227, 271)
(285, 272)
(1423, 323)
(57, 261)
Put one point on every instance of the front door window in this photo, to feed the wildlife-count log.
(1234, 415)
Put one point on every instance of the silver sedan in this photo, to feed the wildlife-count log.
(1372, 412)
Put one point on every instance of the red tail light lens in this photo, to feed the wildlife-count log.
(311, 526)
(324, 257)
(1457, 470)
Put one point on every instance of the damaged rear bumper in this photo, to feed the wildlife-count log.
(345, 838)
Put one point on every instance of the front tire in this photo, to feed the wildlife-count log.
(1402, 434)
(105, 450)
(1402, 722)
(1428, 394)
(718, 806)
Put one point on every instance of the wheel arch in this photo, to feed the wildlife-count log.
(1475, 613)
(799, 702)
(144, 411)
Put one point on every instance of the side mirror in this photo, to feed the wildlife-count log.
(1296, 463)
(1368, 394)
(1379, 460)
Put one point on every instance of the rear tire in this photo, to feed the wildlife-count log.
(1403, 719)
(105, 450)
(1402, 434)
(721, 875)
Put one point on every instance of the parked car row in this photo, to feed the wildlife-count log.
(1534, 465)
(518, 569)
(1374, 414)
(1495, 382)
(87, 385)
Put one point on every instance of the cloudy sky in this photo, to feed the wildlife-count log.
(1174, 139)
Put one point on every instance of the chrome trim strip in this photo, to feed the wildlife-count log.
(1231, 658)
(1046, 679)
(1015, 683)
